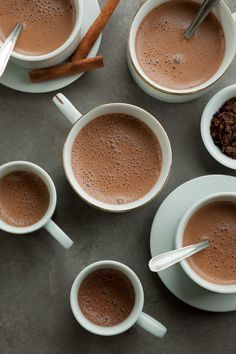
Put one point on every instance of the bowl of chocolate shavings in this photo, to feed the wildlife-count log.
(218, 127)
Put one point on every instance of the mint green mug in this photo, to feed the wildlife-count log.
(45, 222)
(136, 316)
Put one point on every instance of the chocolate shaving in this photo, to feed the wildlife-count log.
(223, 128)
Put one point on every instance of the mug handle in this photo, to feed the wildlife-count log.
(66, 108)
(58, 234)
(151, 325)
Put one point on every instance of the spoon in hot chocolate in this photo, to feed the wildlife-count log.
(204, 10)
(8, 46)
(165, 260)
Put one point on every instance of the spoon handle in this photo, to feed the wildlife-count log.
(206, 7)
(168, 259)
(8, 46)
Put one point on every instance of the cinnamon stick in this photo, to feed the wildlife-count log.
(75, 67)
(95, 30)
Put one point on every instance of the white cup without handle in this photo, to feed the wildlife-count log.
(227, 20)
(46, 221)
(136, 316)
(58, 55)
(79, 121)
(224, 197)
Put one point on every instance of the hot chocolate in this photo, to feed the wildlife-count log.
(24, 199)
(116, 158)
(47, 23)
(217, 223)
(169, 59)
(106, 297)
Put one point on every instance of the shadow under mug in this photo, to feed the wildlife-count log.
(136, 316)
(46, 221)
(228, 22)
(212, 198)
(58, 55)
(79, 121)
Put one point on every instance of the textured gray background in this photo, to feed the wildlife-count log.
(36, 273)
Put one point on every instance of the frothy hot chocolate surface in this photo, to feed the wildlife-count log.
(47, 23)
(106, 297)
(167, 57)
(24, 199)
(217, 223)
(116, 158)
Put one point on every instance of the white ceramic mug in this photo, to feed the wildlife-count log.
(80, 121)
(46, 221)
(227, 20)
(217, 197)
(136, 316)
(58, 55)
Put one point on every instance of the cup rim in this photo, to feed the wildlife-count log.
(133, 316)
(41, 173)
(218, 288)
(176, 92)
(62, 48)
(117, 208)
(211, 108)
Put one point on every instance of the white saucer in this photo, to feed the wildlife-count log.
(163, 234)
(17, 77)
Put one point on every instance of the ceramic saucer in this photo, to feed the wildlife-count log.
(17, 77)
(163, 234)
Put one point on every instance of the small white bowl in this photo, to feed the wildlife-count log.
(218, 288)
(212, 107)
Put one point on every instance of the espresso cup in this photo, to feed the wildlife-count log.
(46, 221)
(80, 121)
(217, 197)
(136, 316)
(227, 20)
(58, 55)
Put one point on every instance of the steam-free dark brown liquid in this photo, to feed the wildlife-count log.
(106, 297)
(24, 199)
(116, 158)
(217, 223)
(47, 23)
(167, 57)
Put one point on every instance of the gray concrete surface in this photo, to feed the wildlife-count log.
(36, 273)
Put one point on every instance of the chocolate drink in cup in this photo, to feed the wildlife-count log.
(106, 297)
(24, 199)
(167, 57)
(217, 223)
(116, 158)
(47, 23)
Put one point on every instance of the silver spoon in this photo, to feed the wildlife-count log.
(165, 260)
(8, 46)
(204, 10)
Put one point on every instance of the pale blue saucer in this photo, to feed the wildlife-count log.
(163, 234)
